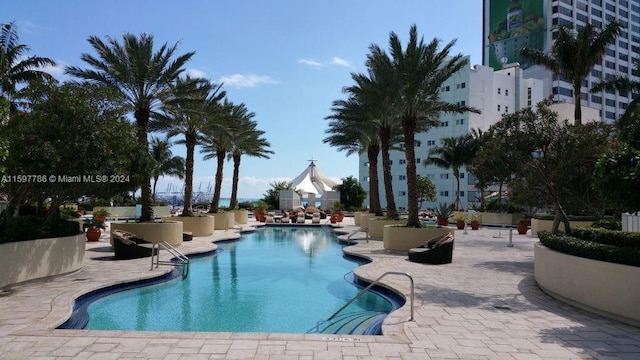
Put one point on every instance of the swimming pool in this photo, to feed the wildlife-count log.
(277, 279)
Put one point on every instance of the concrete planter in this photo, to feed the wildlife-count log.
(547, 225)
(364, 221)
(376, 226)
(197, 225)
(169, 231)
(241, 216)
(35, 259)
(224, 220)
(400, 238)
(508, 219)
(609, 289)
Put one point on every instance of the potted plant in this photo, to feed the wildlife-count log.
(93, 227)
(528, 213)
(442, 212)
(260, 211)
(101, 215)
(523, 226)
(460, 217)
(475, 221)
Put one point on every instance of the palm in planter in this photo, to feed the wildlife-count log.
(460, 218)
(475, 221)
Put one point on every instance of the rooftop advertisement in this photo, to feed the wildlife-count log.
(513, 25)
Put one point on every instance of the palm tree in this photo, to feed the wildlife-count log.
(247, 140)
(164, 162)
(217, 140)
(416, 75)
(629, 119)
(574, 54)
(186, 114)
(349, 131)
(375, 97)
(454, 153)
(143, 77)
(15, 67)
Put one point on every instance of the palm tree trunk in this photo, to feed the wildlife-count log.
(142, 120)
(155, 184)
(577, 113)
(409, 126)
(233, 203)
(374, 189)
(218, 186)
(456, 174)
(385, 135)
(190, 142)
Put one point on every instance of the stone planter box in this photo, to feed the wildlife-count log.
(357, 217)
(197, 225)
(35, 259)
(169, 231)
(376, 226)
(224, 221)
(241, 216)
(400, 238)
(547, 225)
(609, 289)
(364, 220)
(490, 218)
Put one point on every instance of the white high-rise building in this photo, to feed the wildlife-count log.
(493, 93)
(510, 25)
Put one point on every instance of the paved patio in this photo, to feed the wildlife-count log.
(485, 305)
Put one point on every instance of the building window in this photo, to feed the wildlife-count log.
(528, 96)
(461, 175)
(506, 109)
(447, 88)
(365, 179)
(402, 177)
(506, 92)
(390, 162)
(444, 193)
(402, 161)
(461, 193)
(418, 161)
(498, 107)
(459, 121)
(444, 176)
(499, 90)
(402, 193)
(444, 123)
(431, 142)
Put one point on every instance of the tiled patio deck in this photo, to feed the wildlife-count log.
(485, 305)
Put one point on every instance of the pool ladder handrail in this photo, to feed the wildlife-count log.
(376, 282)
(362, 229)
(182, 259)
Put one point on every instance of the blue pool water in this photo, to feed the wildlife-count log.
(278, 279)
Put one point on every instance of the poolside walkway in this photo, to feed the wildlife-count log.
(485, 305)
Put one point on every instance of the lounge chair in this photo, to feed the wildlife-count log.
(270, 218)
(285, 217)
(315, 218)
(129, 246)
(435, 251)
(300, 219)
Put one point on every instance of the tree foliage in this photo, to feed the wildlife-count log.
(352, 194)
(426, 190)
(272, 196)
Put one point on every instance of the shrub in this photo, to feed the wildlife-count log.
(608, 237)
(610, 224)
(575, 246)
(29, 227)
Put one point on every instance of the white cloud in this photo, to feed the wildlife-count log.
(246, 80)
(311, 63)
(57, 71)
(195, 73)
(341, 62)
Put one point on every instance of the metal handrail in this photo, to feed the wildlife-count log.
(375, 282)
(182, 258)
(366, 231)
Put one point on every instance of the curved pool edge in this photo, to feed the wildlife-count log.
(393, 323)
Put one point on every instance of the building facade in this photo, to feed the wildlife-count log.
(493, 93)
(510, 25)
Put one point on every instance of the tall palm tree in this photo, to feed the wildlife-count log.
(246, 140)
(143, 77)
(574, 54)
(349, 131)
(454, 153)
(164, 162)
(627, 124)
(416, 75)
(185, 114)
(217, 140)
(375, 97)
(15, 67)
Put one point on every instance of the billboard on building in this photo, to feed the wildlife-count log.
(511, 25)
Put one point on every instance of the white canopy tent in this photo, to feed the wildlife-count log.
(311, 183)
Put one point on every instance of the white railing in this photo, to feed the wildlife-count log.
(631, 222)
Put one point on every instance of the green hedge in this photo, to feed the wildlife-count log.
(550, 216)
(573, 245)
(608, 237)
(30, 227)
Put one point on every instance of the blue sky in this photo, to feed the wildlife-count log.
(286, 60)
